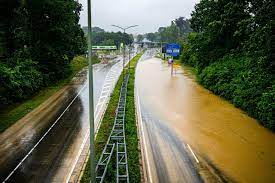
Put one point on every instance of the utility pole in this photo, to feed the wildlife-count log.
(124, 31)
(91, 95)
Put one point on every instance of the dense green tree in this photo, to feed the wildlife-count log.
(94, 29)
(184, 25)
(151, 37)
(176, 32)
(140, 37)
(114, 38)
(56, 36)
(38, 40)
(7, 15)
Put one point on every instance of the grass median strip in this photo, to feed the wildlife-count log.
(130, 131)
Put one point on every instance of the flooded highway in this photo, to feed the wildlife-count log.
(43, 146)
(192, 135)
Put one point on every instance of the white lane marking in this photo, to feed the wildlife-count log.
(82, 145)
(103, 96)
(108, 84)
(113, 75)
(110, 81)
(106, 89)
(104, 92)
(115, 72)
(193, 153)
(84, 142)
(144, 140)
(26, 156)
(99, 103)
(78, 155)
(97, 115)
(111, 78)
(87, 134)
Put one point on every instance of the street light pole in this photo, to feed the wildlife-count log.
(129, 66)
(124, 45)
(91, 95)
(124, 31)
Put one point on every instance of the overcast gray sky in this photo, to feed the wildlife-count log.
(148, 14)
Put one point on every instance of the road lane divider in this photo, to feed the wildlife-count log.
(194, 155)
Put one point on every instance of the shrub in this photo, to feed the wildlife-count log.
(242, 80)
(20, 81)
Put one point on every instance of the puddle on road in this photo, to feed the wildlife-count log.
(236, 144)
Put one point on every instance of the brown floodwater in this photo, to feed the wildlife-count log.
(223, 135)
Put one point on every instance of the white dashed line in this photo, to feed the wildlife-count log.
(193, 153)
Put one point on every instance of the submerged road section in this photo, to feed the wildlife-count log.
(191, 135)
(45, 144)
(166, 157)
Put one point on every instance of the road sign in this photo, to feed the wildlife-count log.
(173, 49)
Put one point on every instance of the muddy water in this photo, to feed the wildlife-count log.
(223, 135)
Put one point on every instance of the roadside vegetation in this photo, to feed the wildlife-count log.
(39, 56)
(45, 38)
(175, 33)
(231, 51)
(130, 131)
(41, 53)
(14, 112)
(102, 38)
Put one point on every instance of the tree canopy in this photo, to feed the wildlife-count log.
(111, 38)
(178, 29)
(39, 39)
(102, 38)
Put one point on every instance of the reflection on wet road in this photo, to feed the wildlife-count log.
(64, 122)
(176, 111)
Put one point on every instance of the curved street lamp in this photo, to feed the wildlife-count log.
(124, 31)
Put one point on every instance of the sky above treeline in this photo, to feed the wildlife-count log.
(148, 14)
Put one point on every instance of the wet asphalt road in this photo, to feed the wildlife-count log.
(70, 119)
(168, 158)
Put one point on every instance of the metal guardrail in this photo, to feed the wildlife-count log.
(116, 139)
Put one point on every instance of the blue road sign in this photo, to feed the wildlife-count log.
(173, 49)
